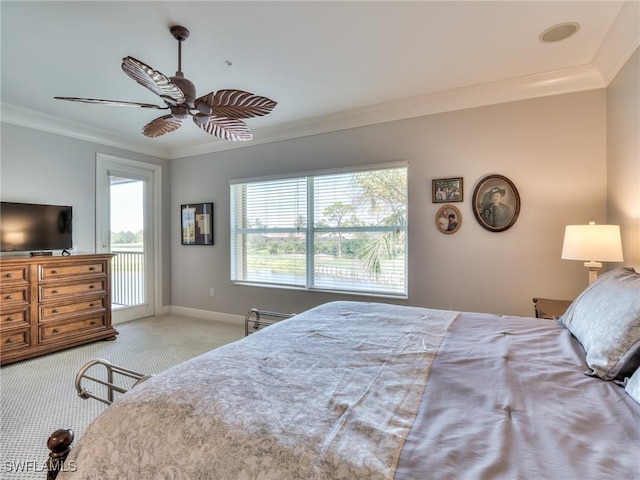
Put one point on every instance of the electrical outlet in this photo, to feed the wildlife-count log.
(211, 292)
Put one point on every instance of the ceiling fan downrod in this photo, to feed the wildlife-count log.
(180, 34)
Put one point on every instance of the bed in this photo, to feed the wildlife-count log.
(359, 390)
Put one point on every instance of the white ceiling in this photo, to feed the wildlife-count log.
(328, 64)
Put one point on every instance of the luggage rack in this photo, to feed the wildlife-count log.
(257, 319)
(254, 320)
(111, 371)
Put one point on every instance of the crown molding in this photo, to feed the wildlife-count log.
(569, 80)
(531, 86)
(622, 40)
(51, 124)
(575, 79)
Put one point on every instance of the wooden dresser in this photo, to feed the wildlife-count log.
(52, 303)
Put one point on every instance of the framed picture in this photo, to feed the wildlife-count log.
(448, 219)
(196, 222)
(446, 190)
(496, 203)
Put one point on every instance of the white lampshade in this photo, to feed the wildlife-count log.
(598, 243)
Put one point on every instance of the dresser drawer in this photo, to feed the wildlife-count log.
(49, 272)
(54, 312)
(14, 273)
(50, 333)
(12, 319)
(15, 295)
(12, 339)
(50, 292)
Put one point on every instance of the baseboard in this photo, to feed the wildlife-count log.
(206, 314)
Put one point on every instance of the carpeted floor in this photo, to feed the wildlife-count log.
(37, 396)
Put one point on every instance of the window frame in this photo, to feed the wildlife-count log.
(311, 230)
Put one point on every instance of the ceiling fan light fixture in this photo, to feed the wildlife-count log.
(180, 112)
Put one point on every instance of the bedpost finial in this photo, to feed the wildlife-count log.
(59, 443)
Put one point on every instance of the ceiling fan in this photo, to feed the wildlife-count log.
(217, 113)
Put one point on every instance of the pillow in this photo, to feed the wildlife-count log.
(605, 318)
(633, 386)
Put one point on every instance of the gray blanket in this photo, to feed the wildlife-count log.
(508, 399)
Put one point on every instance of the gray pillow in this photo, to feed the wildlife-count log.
(605, 319)
(633, 386)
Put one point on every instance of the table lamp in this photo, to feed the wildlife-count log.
(593, 244)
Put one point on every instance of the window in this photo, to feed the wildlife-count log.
(335, 231)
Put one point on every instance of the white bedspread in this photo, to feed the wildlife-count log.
(329, 394)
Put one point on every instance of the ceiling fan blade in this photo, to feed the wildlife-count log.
(155, 81)
(230, 129)
(234, 104)
(161, 126)
(116, 103)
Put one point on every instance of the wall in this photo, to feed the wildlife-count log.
(39, 167)
(623, 154)
(553, 149)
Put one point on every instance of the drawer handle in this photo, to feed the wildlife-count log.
(53, 272)
(92, 304)
(54, 291)
(93, 322)
(9, 340)
(55, 310)
(9, 319)
(92, 269)
(55, 330)
(9, 297)
(91, 286)
(10, 275)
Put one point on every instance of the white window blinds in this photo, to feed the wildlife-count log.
(341, 232)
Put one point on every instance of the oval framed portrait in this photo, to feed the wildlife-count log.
(496, 203)
(448, 219)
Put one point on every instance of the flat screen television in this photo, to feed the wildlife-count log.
(27, 227)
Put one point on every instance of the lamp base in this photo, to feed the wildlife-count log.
(593, 268)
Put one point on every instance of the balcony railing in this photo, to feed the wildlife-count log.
(127, 279)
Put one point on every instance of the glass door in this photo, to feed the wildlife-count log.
(125, 226)
(127, 241)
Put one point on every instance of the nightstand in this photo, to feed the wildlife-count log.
(551, 309)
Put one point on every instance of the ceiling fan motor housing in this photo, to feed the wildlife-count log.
(187, 88)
